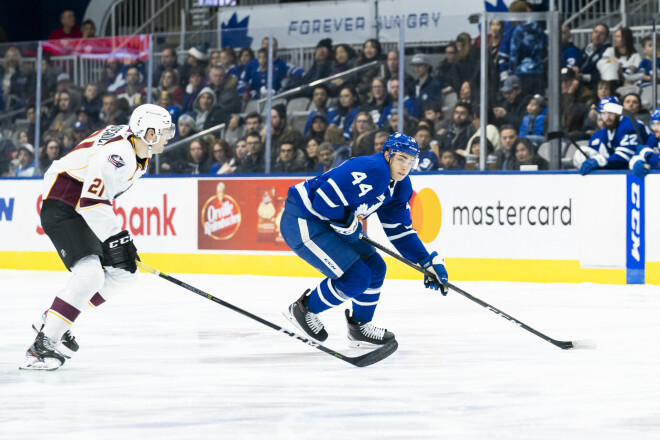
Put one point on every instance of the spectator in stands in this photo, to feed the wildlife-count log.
(224, 87)
(526, 154)
(529, 47)
(379, 99)
(228, 60)
(132, 92)
(110, 113)
(286, 159)
(318, 127)
(169, 84)
(51, 151)
(633, 103)
(433, 114)
(64, 83)
(448, 161)
(644, 73)
(512, 109)
(573, 91)
(254, 81)
(322, 66)
(81, 131)
(428, 161)
(570, 54)
(222, 156)
(424, 88)
(68, 141)
(245, 55)
(467, 58)
(492, 132)
(240, 152)
(238, 128)
(363, 124)
(68, 27)
(253, 122)
(63, 115)
(409, 124)
(448, 72)
(88, 29)
(392, 68)
(320, 100)
(197, 60)
(348, 108)
(254, 161)
(465, 92)
(120, 81)
(214, 58)
(371, 51)
(344, 59)
(194, 86)
(311, 154)
(7, 153)
(326, 156)
(379, 141)
(621, 58)
(111, 77)
(48, 77)
(460, 131)
(206, 113)
(281, 130)
(572, 121)
(168, 61)
(408, 104)
(25, 166)
(494, 42)
(199, 161)
(473, 152)
(283, 70)
(10, 71)
(533, 122)
(91, 101)
(592, 122)
(592, 53)
(506, 155)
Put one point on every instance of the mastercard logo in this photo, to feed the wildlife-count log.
(426, 213)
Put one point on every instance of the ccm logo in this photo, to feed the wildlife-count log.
(123, 240)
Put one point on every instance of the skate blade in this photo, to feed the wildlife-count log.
(46, 364)
(363, 344)
(293, 321)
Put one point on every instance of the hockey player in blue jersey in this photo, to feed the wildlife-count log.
(615, 144)
(647, 155)
(321, 224)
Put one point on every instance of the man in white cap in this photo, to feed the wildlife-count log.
(424, 88)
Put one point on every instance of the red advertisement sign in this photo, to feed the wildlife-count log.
(242, 214)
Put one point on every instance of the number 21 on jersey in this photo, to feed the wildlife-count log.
(359, 177)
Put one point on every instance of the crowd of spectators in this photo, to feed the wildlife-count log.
(347, 117)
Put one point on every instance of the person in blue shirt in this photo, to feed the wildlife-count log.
(647, 156)
(616, 143)
(321, 223)
(320, 99)
(424, 88)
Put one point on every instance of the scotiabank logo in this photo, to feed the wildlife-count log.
(221, 215)
(152, 220)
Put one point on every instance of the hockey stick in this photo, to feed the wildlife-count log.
(359, 361)
(562, 135)
(565, 345)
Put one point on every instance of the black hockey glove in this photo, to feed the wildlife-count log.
(119, 251)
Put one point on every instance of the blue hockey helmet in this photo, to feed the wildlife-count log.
(175, 111)
(610, 104)
(655, 116)
(399, 142)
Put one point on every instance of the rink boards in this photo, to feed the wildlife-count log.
(540, 227)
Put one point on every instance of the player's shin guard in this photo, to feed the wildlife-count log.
(364, 305)
(331, 293)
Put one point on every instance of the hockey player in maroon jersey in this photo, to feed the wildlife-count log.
(77, 216)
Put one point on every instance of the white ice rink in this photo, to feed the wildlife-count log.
(163, 363)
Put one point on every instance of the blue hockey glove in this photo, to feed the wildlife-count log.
(349, 231)
(639, 166)
(436, 266)
(588, 166)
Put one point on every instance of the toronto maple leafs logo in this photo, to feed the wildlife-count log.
(116, 160)
(235, 32)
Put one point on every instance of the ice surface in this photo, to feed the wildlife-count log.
(160, 362)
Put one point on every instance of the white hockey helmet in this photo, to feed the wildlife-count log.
(149, 116)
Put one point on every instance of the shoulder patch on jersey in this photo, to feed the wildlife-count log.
(116, 160)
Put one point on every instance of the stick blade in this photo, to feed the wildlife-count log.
(374, 356)
(584, 344)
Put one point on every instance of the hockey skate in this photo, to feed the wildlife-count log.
(366, 335)
(68, 344)
(42, 355)
(305, 320)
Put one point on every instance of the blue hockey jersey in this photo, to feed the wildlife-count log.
(619, 146)
(363, 185)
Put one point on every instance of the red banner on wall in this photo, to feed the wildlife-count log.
(108, 48)
(236, 214)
